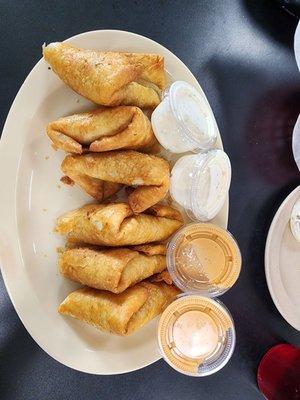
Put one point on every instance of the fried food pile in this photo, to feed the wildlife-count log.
(117, 250)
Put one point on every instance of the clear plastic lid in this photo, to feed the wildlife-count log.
(193, 114)
(200, 183)
(203, 258)
(196, 335)
(210, 184)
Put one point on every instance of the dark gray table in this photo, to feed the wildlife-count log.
(241, 52)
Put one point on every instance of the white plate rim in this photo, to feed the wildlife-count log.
(8, 209)
(288, 316)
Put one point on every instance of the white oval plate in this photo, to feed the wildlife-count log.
(31, 200)
(282, 263)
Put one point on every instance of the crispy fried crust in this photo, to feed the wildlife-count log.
(109, 78)
(116, 225)
(163, 276)
(149, 173)
(151, 249)
(111, 269)
(123, 313)
(103, 129)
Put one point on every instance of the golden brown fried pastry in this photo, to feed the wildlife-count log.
(151, 249)
(103, 129)
(109, 78)
(116, 224)
(122, 313)
(100, 189)
(149, 173)
(111, 269)
(163, 276)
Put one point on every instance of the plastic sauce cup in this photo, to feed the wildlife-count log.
(204, 259)
(200, 183)
(183, 121)
(196, 335)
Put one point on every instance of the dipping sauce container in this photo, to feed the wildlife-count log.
(200, 183)
(203, 258)
(183, 121)
(196, 335)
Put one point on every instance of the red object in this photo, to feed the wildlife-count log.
(278, 374)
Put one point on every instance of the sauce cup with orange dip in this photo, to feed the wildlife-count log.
(196, 333)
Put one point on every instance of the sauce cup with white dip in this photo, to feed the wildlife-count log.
(200, 183)
(196, 335)
(183, 121)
